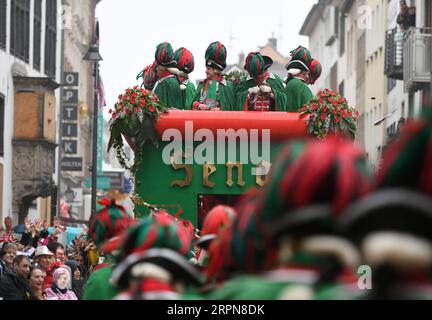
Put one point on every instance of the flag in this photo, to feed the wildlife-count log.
(101, 94)
(64, 208)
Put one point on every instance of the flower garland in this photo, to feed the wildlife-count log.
(133, 118)
(329, 112)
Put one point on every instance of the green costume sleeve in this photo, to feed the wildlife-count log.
(241, 98)
(242, 93)
(298, 94)
(279, 93)
(197, 93)
(169, 93)
(190, 95)
(98, 286)
(227, 96)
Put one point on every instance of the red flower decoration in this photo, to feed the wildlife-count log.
(152, 109)
(325, 115)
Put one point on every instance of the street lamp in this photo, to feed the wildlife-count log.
(94, 56)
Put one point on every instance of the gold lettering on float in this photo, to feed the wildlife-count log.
(240, 180)
(262, 180)
(208, 170)
(189, 173)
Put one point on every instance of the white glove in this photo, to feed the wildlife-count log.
(254, 90)
(174, 71)
(265, 89)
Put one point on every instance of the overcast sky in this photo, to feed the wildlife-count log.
(130, 30)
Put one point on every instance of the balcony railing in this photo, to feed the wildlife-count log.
(417, 55)
(394, 54)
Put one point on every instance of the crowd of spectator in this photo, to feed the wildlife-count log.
(37, 266)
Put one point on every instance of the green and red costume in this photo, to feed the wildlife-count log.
(168, 91)
(274, 101)
(98, 285)
(297, 90)
(167, 88)
(156, 251)
(105, 228)
(289, 283)
(186, 64)
(400, 205)
(261, 90)
(312, 183)
(218, 93)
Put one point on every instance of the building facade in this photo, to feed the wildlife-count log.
(40, 41)
(408, 64)
(30, 56)
(376, 105)
(78, 34)
(383, 72)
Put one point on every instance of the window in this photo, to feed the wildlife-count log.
(50, 37)
(37, 34)
(349, 45)
(331, 25)
(3, 15)
(2, 107)
(428, 13)
(342, 88)
(411, 106)
(342, 34)
(336, 19)
(391, 84)
(20, 29)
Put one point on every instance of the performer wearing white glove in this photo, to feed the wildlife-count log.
(261, 90)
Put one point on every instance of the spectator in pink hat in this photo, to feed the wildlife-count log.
(59, 287)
